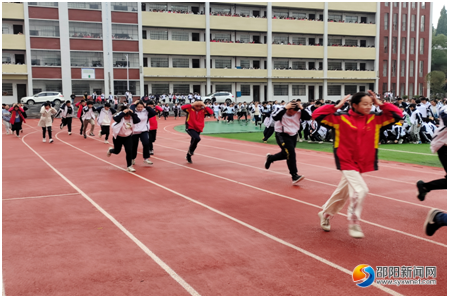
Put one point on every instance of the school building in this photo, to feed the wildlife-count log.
(259, 50)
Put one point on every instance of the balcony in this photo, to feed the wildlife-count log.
(352, 29)
(174, 72)
(174, 47)
(12, 11)
(239, 73)
(173, 20)
(351, 53)
(13, 42)
(306, 5)
(245, 3)
(353, 6)
(238, 49)
(298, 26)
(295, 51)
(238, 23)
(12, 69)
(314, 74)
(356, 75)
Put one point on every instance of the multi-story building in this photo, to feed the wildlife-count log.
(259, 50)
(405, 47)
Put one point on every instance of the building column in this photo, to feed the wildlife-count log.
(261, 92)
(325, 39)
(141, 73)
(390, 46)
(398, 61)
(316, 90)
(417, 29)
(407, 52)
(208, 66)
(269, 51)
(377, 43)
(429, 61)
(107, 49)
(65, 49)
(28, 49)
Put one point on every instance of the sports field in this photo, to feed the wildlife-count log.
(76, 223)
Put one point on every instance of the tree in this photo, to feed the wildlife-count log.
(438, 81)
(442, 22)
(439, 53)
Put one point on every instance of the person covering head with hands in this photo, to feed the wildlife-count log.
(355, 149)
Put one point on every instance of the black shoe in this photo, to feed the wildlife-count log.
(85, 136)
(296, 179)
(421, 190)
(189, 158)
(430, 227)
(61, 126)
(268, 161)
(81, 133)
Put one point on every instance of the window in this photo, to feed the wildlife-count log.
(299, 90)
(412, 46)
(120, 31)
(157, 6)
(119, 60)
(403, 44)
(6, 58)
(350, 89)
(334, 65)
(395, 4)
(413, 5)
(159, 62)
(180, 35)
(5, 29)
(51, 4)
(299, 40)
(221, 9)
(85, 30)
(223, 63)
(411, 89)
(384, 87)
(301, 65)
(46, 58)
(245, 64)
(333, 90)
(80, 87)
(86, 59)
(335, 18)
(421, 89)
(48, 85)
(386, 4)
(402, 68)
(280, 90)
(181, 88)
(280, 14)
(351, 19)
(280, 39)
(85, 5)
(421, 68)
(395, 44)
(7, 89)
(422, 24)
(180, 7)
(386, 21)
(404, 4)
(404, 21)
(120, 87)
(158, 35)
(245, 38)
(246, 90)
(223, 36)
(144, 34)
(223, 87)
(280, 64)
(413, 22)
(385, 68)
(412, 68)
(402, 89)
(350, 66)
(124, 6)
(423, 4)
(386, 44)
(393, 68)
(44, 28)
(160, 89)
(351, 42)
(393, 88)
(395, 21)
(299, 15)
(334, 41)
(181, 62)
(421, 46)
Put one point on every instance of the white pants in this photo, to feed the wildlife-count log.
(7, 125)
(353, 187)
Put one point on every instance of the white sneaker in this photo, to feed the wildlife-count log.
(133, 162)
(148, 161)
(301, 140)
(70, 133)
(131, 169)
(401, 141)
(320, 142)
(7, 132)
(355, 231)
(106, 142)
(17, 136)
(99, 134)
(309, 141)
(44, 141)
(325, 222)
(109, 151)
(51, 141)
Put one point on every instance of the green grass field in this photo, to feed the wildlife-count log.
(405, 153)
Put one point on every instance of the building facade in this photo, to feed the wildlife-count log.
(259, 50)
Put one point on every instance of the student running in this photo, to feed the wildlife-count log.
(46, 122)
(104, 120)
(140, 130)
(66, 112)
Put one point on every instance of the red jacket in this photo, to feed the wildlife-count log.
(195, 119)
(13, 115)
(80, 109)
(356, 136)
(153, 120)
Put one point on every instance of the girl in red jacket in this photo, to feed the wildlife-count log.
(355, 149)
(17, 118)
(80, 105)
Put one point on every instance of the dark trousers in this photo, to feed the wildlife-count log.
(152, 137)
(230, 117)
(17, 127)
(44, 129)
(439, 183)
(143, 137)
(241, 114)
(176, 113)
(287, 144)
(127, 142)
(306, 131)
(194, 141)
(165, 115)
(105, 131)
(82, 126)
(256, 119)
(67, 121)
(316, 137)
(268, 132)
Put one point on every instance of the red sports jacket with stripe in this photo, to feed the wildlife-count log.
(356, 136)
(195, 119)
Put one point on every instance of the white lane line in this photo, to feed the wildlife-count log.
(38, 197)
(161, 263)
(284, 174)
(299, 150)
(429, 154)
(312, 255)
(3, 286)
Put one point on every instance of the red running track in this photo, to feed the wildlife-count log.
(75, 223)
